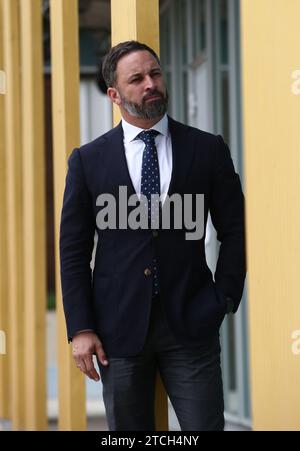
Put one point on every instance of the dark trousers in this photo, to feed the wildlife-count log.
(191, 376)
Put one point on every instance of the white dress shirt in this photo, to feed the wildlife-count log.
(134, 154)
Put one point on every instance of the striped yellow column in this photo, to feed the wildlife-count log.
(270, 57)
(139, 20)
(65, 107)
(15, 338)
(4, 321)
(34, 297)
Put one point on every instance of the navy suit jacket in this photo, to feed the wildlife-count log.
(115, 298)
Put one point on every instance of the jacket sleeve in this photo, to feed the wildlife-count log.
(77, 231)
(228, 217)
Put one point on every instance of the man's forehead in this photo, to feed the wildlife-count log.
(136, 62)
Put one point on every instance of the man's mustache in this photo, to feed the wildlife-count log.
(151, 94)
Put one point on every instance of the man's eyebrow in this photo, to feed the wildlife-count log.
(134, 75)
(137, 74)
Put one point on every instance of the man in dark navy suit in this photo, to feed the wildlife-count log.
(151, 301)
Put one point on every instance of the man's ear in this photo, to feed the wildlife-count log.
(114, 96)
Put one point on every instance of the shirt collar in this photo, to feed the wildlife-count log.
(131, 131)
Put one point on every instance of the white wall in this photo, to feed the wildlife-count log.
(95, 111)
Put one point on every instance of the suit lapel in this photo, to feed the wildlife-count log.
(117, 169)
(182, 153)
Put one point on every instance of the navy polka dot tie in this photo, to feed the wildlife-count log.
(150, 184)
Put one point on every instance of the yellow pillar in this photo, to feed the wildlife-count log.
(15, 339)
(65, 108)
(4, 321)
(270, 55)
(34, 214)
(139, 20)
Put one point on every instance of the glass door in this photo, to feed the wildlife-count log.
(200, 56)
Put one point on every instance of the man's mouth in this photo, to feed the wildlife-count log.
(156, 97)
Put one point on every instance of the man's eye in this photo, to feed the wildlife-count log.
(154, 74)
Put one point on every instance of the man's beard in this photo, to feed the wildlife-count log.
(147, 110)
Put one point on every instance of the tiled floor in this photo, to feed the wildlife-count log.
(100, 424)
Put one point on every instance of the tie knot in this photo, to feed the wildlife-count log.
(147, 135)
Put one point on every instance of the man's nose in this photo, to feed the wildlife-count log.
(149, 83)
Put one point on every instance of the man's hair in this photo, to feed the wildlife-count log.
(110, 62)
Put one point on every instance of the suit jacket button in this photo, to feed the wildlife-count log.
(147, 272)
(155, 233)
